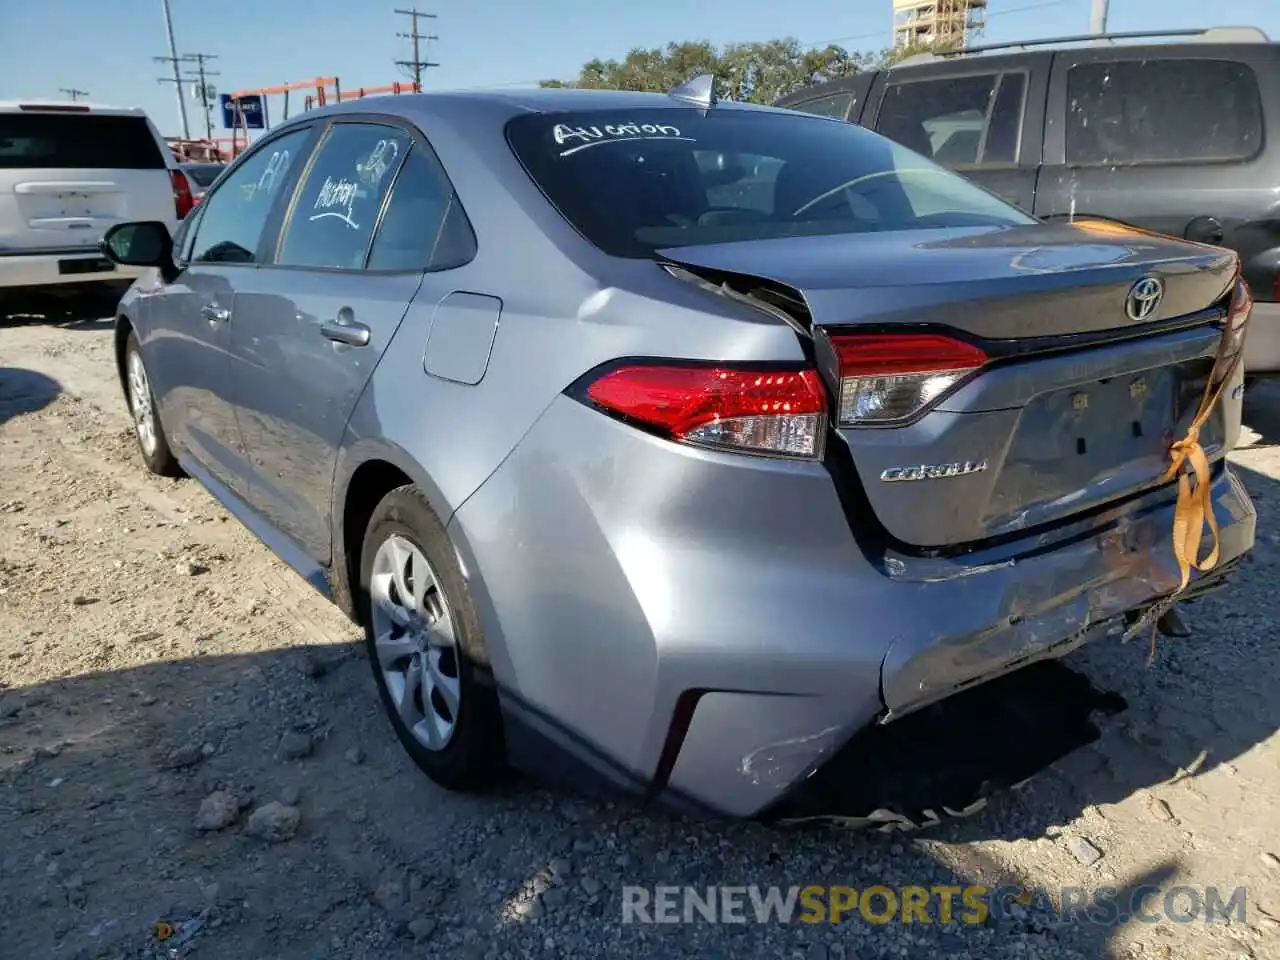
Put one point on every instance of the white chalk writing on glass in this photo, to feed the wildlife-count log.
(278, 163)
(585, 137)
(381, 159)
(337, 198)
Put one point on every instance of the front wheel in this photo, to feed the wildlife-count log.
(425, 645)
(152, 443)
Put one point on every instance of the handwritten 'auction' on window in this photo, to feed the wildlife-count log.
(585, 137)
(337, 198)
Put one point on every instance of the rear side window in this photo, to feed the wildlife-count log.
(836, 106)
(959, 121)
(87, 141)
(1162, 111)
(422, 227)
(634, 182)
(336, 207)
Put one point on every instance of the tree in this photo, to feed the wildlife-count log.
(755, 72)
(887, 58)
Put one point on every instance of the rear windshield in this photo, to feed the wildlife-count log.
(203, 173)
(46, 141)
(636, 181)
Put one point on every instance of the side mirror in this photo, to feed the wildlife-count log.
(144, 243)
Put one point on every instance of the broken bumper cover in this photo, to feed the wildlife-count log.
(705, 628)
(1046, 605)
(1001, 615)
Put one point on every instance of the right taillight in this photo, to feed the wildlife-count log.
(182, 201)
(774, 411)
(886, 378)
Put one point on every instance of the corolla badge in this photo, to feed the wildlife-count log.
(1144, 299)
(933, 471)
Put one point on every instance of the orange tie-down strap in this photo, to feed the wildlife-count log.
(1190, 464)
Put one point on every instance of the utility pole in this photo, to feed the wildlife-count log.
(73, 93)
(173, 60)
(1098, 17)
(203, 91)
(417, 64)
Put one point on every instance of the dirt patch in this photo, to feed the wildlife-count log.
(190, 736)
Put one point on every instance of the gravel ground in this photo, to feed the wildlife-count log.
(187, 733)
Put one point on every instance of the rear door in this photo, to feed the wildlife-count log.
(69, 173)
(310, 327)
(1166, 138)
(842, 99)
(982, 119)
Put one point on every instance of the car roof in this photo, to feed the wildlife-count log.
(511, 102)
(63, 106)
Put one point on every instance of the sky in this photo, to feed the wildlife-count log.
(106, 48)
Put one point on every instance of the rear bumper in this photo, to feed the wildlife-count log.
(42, 269)
(706, 629)
(1262, 347)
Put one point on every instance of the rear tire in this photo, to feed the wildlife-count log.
(153, 445)
(425, 645)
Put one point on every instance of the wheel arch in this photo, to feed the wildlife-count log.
(120, 339)
(367, 471)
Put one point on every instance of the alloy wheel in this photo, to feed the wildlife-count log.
(414, 640)
(140, 404)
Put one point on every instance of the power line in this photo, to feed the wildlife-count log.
(203, 91)
(810, 45)
(173, 60)
(415, 66)
(73, 93)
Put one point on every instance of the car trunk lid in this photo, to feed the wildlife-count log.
(1076, 401)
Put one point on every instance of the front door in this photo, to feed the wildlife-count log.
(313, 324)
(192, 317)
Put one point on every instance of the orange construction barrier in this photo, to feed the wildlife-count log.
(320, 98)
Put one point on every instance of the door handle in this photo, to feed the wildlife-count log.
(214, 313)
(345, 331)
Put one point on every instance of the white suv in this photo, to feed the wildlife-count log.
(68, 171)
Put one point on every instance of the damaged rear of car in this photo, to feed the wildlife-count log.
(956, 463)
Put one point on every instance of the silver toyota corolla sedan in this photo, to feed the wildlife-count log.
(676, 441)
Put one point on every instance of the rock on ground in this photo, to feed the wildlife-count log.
(274, 822)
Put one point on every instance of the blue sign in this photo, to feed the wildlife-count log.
(243, 113)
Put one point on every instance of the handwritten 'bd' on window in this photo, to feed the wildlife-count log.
(337, 197)
(583, 138)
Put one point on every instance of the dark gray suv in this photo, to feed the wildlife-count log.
(1163, 131)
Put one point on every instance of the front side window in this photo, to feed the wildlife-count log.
(337, 205)
(634, 182)
(232, 218)
(957, 122)
(1162, 111)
